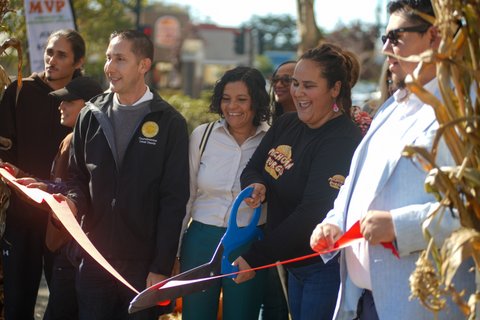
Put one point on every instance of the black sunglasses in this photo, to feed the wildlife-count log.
(393, 35)
(286, 80)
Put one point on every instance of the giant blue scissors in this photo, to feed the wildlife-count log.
(233, 238)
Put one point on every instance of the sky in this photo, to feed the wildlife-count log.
(328, 13)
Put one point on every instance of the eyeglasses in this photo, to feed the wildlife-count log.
(393, 35)
(286, 80)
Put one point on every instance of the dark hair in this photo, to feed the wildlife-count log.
(75, 39)
(142, 46)
(336, 65)
(255, 83)
(355, 71)
(423, 6)
(277, 109)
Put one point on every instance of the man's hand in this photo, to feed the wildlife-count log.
(377, 226)
(324, 236)
(243, 265)
(154, 278)
(32, 183)
(14, 171)
(258, 195)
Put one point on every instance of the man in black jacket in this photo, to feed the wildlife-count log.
(129, 182)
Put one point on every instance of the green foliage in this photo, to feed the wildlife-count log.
(109, 16)
(279, 32)
(264, 64)
(95, 21)
(196, 111)
(13, 23)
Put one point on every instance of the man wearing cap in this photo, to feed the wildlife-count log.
(62, 301)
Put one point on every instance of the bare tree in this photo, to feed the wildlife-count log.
(310, 35)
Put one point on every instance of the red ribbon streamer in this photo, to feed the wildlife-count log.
(348, 238)
(67, 218)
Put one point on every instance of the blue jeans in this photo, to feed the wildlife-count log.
(313, 290)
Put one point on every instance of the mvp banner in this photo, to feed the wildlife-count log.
(44, 17)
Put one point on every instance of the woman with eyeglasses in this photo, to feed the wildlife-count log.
(298, 169)
(280, 89)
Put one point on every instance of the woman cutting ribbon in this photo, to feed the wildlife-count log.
(296, 168)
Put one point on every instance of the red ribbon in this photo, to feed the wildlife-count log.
(66, 217)
(351, 236)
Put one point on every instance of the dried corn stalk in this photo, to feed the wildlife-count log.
(458, 113)
(9, 43)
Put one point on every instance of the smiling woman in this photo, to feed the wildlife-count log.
(240, 98)
(280, 90)
(237, 111)
(292, 170)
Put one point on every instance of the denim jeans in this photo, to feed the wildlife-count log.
(313, 290)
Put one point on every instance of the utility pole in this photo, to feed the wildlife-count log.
(137, 8)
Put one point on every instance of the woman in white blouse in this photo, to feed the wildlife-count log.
(240, 98)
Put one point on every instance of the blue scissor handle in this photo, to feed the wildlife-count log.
(234, 236)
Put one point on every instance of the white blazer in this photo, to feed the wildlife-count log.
(400, 190)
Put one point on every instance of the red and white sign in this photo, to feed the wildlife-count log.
(44, 17)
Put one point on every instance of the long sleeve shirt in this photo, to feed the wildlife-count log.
(215, 175)
(298, 165)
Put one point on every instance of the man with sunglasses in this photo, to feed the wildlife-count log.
(385, 191)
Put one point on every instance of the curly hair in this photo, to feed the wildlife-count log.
(256, 86)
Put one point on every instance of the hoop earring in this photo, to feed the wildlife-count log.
(335, 107)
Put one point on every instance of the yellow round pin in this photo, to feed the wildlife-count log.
(150, 129)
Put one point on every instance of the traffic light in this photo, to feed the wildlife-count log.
(146, 29)
(239, 41)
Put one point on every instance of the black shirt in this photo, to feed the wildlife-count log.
(295, 163)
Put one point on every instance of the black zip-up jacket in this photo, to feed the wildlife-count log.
(132, 212)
